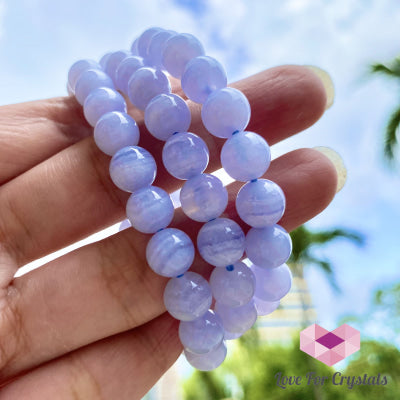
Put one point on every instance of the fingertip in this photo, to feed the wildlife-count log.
(284, 100)
(309, 186)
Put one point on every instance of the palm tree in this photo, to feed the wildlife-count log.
(304, 241)
(391, 70)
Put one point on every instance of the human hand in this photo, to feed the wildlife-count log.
(92, 324)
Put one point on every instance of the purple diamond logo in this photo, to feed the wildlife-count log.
(330, 340)
(329, 347)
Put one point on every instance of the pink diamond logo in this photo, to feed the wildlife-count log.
(329, 347)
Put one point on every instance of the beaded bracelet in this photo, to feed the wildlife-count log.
(240, 292)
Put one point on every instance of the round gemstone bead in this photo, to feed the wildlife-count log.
(265, 307)
(221, 242)
(78, 68)
(134, 47)
(113, 62)
(150, 209)
(125, 70)
(260, 203)
(114, 131)
(245, 156)
(272, 284)
(202, 76)
(203, 198)
(232, 336)
(170, 252)
(234, 286)
(144, 40)
(268, 247)
(237, 319)
(187, 297)
(203, 334)
(89, 81)
(104, 59)
(167, 114)
(101, 101)
(207, 361)
(145, 84)
(132, 168)
(178, 51)
(225, 111)
(156, 48)
(185, 155)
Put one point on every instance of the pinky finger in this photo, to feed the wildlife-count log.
(124, 366)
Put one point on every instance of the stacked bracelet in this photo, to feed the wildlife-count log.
(240, 292)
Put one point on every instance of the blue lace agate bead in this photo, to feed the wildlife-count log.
(268, 247)
(207, 361)
(225, 112)
(245, 156)
(167, 114)
(203, 334)
(178, 51)
(185, 155)
(113, 62)
(104, 59)
(78, 68)
(134, 47)
(203, 197)
(89, 81)
(272, 284)
(232, 336)
(114, 131)
(202, 76)
(237, 319)
(145, 84)
(170, 252)
(265, 307)
(101, 101)
(221, 242)
(156, 48)
(234, 285)
(144, 40)
(187, 297)
(260, 203)
(125, 70)
(150, 209)
(132, 168)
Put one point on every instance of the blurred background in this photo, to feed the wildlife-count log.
(348, 268)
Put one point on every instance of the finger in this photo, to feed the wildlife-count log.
(73, 189)
(32, 132)
(121, 367)
(105, 288)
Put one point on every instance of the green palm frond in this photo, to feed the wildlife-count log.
(303, 241)
(327, 268)
(329, 235)
(383, 69)
(393, 69)
(391, 135)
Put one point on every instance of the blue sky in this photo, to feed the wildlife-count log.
(40, 39)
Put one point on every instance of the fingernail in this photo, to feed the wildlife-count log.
(337, 162)
(327, 82)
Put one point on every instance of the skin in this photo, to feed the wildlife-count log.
(92, 324)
